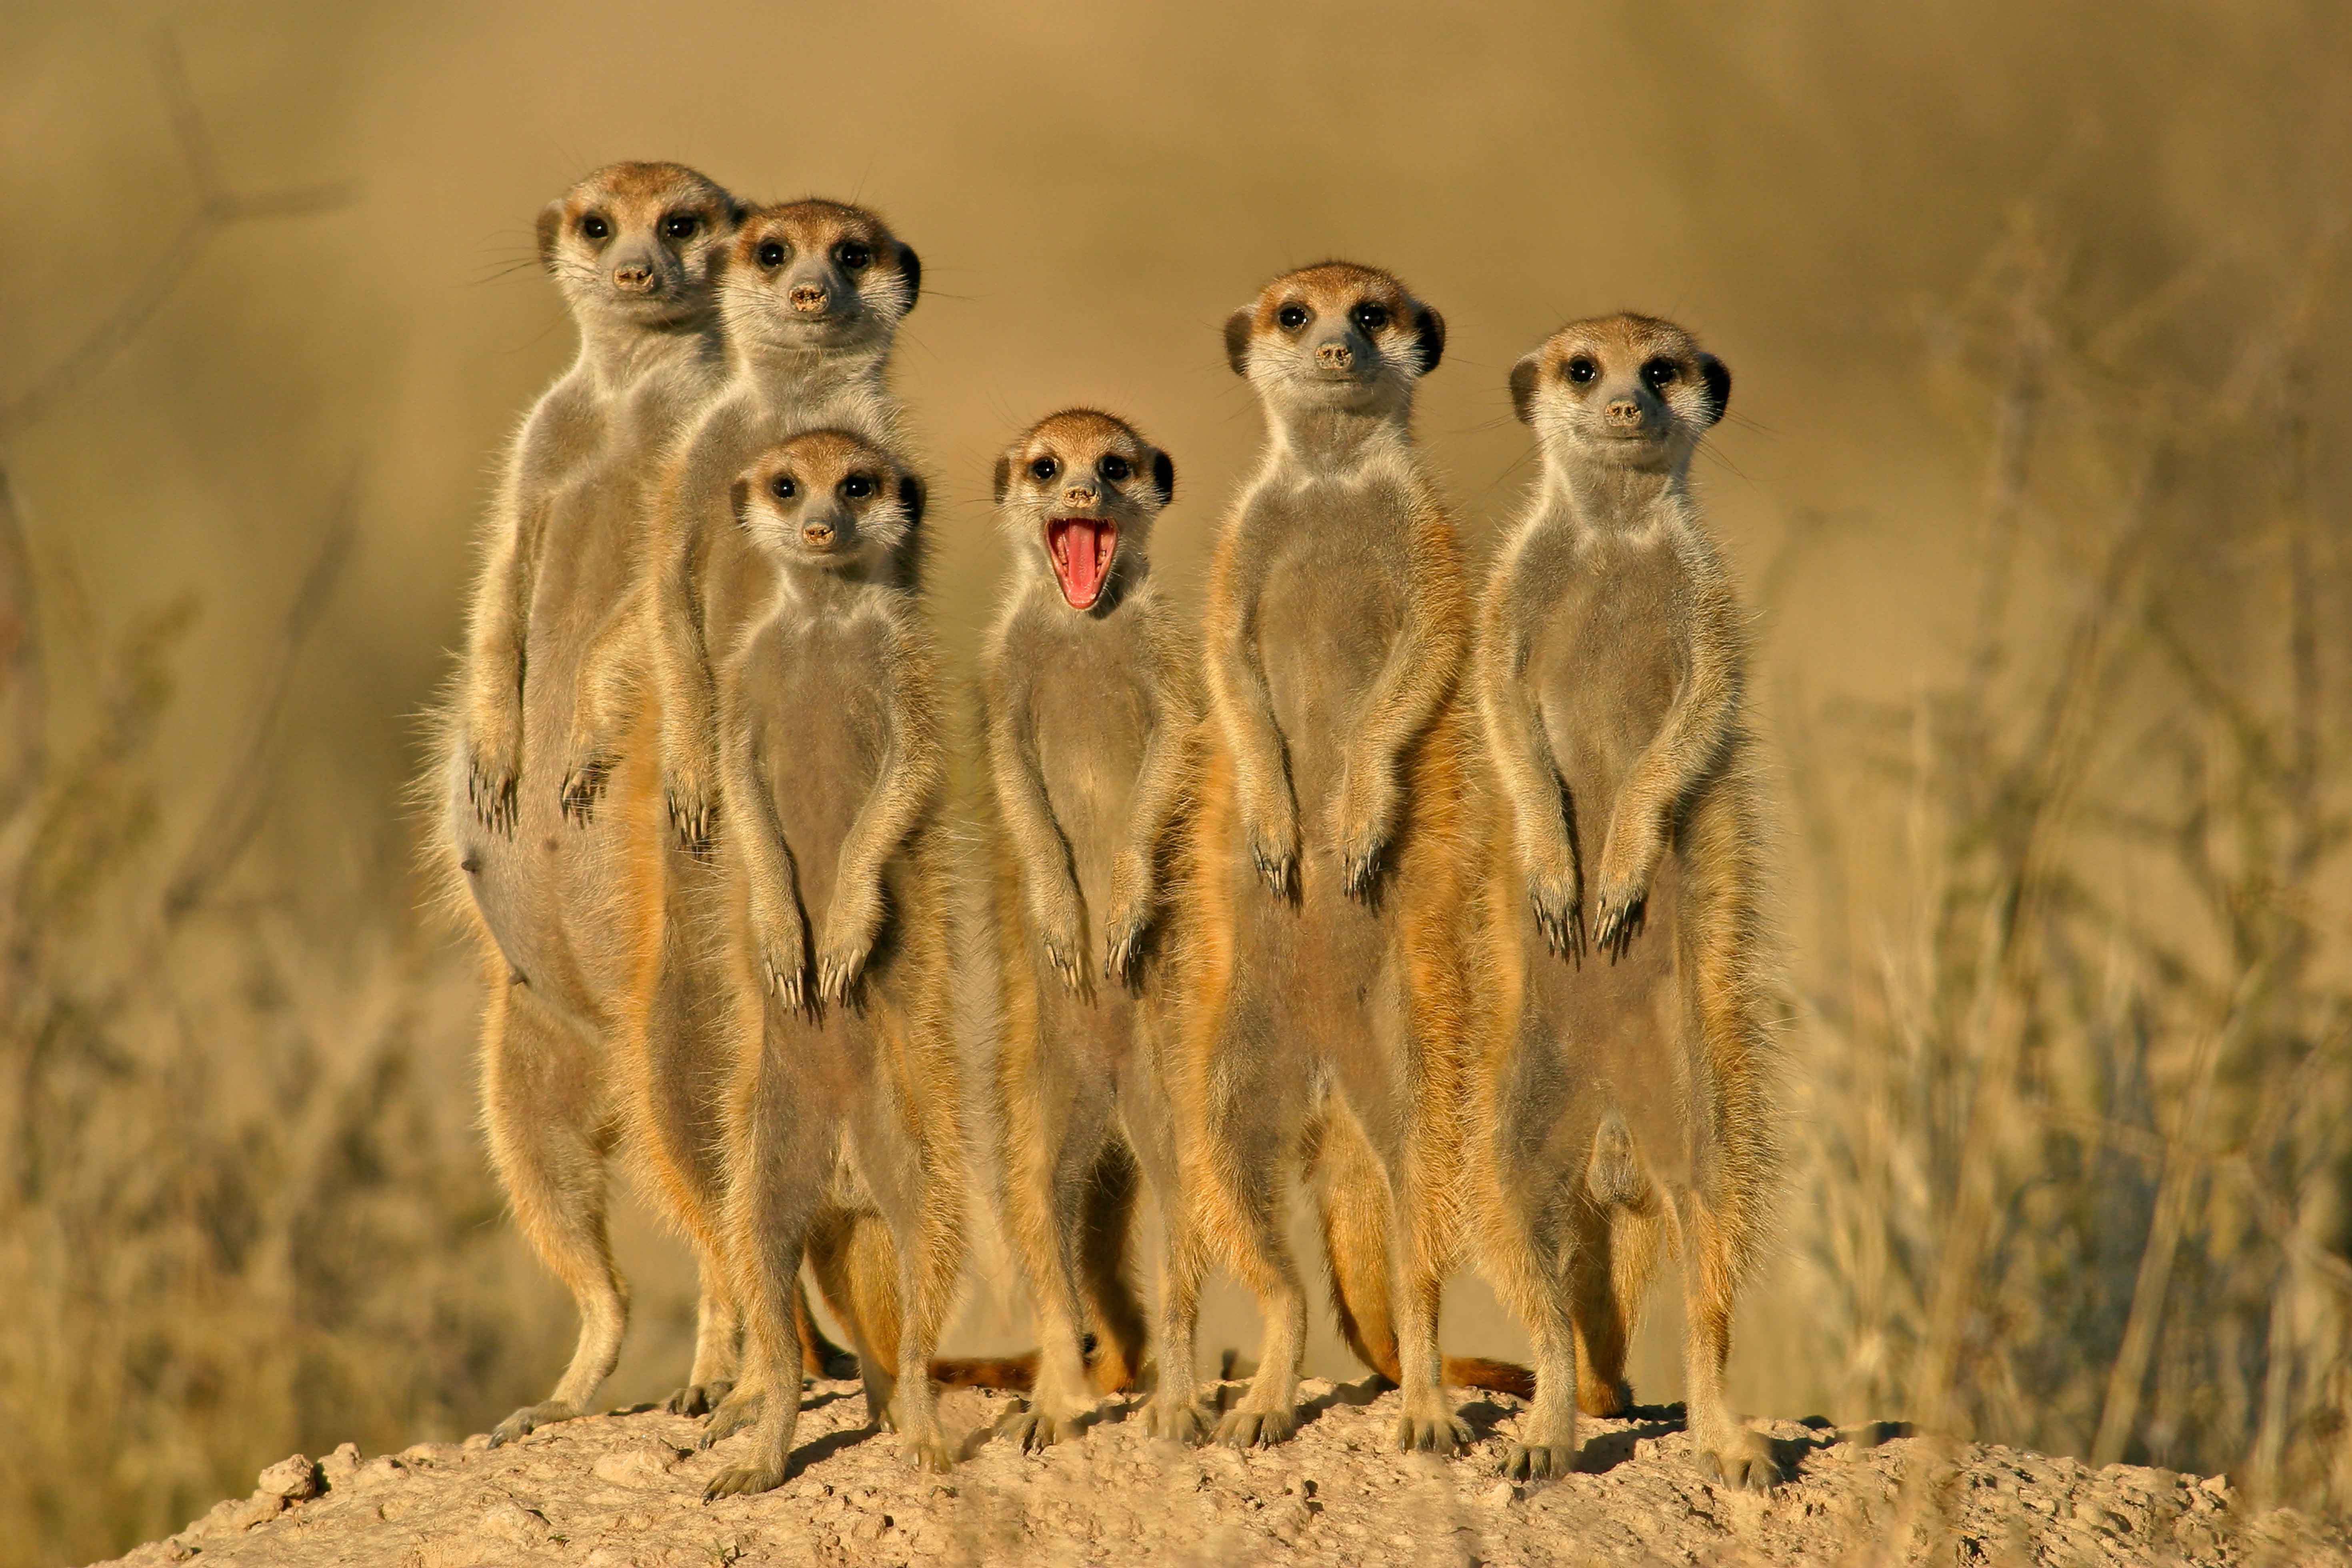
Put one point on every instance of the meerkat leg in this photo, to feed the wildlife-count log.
(1424, 1234)
(923, 1229)
(1532, 1216)
(717, 1347)
(1174, 1411)
(780, 1170)
(1106, 1237)
(1723, 1448)
(1056, 1132)
(1611, 1265)
(1250, 1130)
(549, 1137)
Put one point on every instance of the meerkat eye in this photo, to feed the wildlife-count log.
(1371, 316)
(770, 254)
(1660, 373)
(857, 487)
(1292, 317)
(1044, 469)
(783, 488)
(1581, 369)
(1112, 467)
(593, 227)
(853, 254)
(681, 225)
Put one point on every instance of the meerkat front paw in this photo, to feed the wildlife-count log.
(494, 764)
(1628, 862)
(1055, 917)
(785, 970)
(1362, 818)
(1128, 925)
(583, 787)
(841, 957)
(1558, 910)
(685, 788)
(1274, 847)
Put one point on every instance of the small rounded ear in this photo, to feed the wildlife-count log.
(1717, 376)
(551, 224)
(739, 502)
(1429, 331)
(911, 266)
(1524, 376)
(1163, 476)
(736, 213)
(1237, 340)
(911, 500)
(1004, 476)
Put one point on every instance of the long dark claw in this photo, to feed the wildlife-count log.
(583, 787)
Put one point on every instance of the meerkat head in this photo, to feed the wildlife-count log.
(1335, 336)
(1624, 390)
(830, 501)
(818, 275)
(638, 243)
(1079, 493)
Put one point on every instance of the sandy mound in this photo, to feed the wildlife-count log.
(626, 1489)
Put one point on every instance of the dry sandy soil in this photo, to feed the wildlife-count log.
(626, 1489)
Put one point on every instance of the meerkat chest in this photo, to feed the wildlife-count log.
(810, 697)
(1332, 597)
(1091, 710)
(1608, 654)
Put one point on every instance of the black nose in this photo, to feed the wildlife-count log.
(635, 278)
(1334, 356)
(1623, 412)
(808, 298)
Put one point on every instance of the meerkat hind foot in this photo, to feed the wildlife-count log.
(738, 1409)
(1534, 1459)
(1432, 1432)
(1739, 1459)
(1032, 1428)
(698, 1398)
(1244, 1427)
(531, 1417)
(1184, 1421)
(743, 1481)
(927, 1451)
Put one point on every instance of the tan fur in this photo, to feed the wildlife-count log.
(1329, 976)
(569, 915)
(1091, 707)
(791, 366)
(1626, 1096)
(845, 1115)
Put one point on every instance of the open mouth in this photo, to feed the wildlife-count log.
(1081, 549)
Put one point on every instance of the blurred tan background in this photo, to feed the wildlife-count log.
(2035, 477)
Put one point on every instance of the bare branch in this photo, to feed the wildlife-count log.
(238, 807)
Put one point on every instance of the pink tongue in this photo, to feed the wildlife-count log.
(1080, 543)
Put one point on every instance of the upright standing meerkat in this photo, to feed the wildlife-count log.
(846, 1097)
(1091, 705)
(812, 293)
(1333, 851)
(1628, 1090)
(570, 921)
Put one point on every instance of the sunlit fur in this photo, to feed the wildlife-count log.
(571, 915)
(648, 679)
(1331, 859)
(844, 1118)
(1092, 717)
(1626, 1096)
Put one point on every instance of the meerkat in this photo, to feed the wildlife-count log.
(1627, 1095)
(1090, 705)
(846, 1097)
(569, 921)
(1332, 853)
(811, 293)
